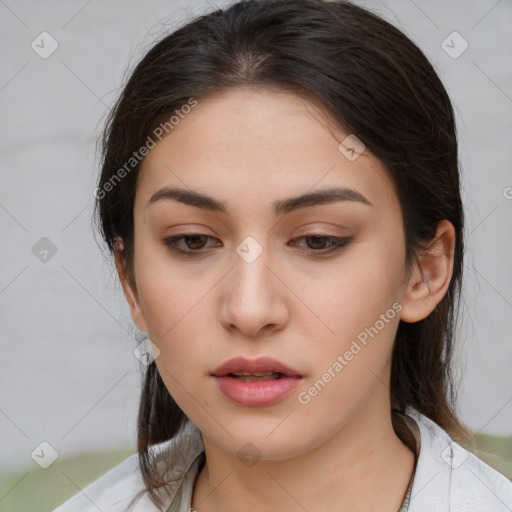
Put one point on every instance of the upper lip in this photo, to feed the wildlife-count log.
(261, 364)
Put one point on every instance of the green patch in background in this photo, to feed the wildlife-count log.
(42, 490)
(495, 451)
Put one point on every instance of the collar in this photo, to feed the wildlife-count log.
(450, 478)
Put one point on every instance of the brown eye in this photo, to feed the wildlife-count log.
(323, 244)
(194, 243)
(317, 241)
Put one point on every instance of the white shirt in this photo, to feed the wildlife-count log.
(448, 478)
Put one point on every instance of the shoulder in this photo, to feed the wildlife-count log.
(122, 489)
(449, 477)
(112, 492)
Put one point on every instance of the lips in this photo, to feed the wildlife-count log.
(263, 368)
(256, 382)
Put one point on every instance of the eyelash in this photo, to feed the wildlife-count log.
(339, 243)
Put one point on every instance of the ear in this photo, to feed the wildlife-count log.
(129, 292)
(430, 276)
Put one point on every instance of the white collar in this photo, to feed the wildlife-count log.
(449, 478)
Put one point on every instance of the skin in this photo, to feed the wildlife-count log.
(249, 147)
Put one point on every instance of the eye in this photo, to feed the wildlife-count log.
(318, 242)
(195, 243)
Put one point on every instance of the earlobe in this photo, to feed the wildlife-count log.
(430, 278)
(129, 293)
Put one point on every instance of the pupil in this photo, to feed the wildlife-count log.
(194, 240)
(319, 239)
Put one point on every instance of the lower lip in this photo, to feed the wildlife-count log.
(257, 393)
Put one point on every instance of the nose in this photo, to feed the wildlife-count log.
(254, 296)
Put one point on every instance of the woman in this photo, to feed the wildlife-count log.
(280, 191)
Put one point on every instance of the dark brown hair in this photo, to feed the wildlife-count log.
(375, 83)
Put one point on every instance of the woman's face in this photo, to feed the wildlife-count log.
(258, 279)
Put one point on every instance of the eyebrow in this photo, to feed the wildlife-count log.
(280, 207)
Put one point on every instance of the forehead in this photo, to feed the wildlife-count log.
(249, 143)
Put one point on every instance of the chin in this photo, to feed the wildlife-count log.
(263, 441)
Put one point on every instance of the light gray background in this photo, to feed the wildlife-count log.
(67, 372)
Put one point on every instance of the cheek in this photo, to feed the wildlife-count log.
(164, 292)
(174, 302)
(347, 359)
(175, 313)
(356, 314)
(177, 324)
(351, 295)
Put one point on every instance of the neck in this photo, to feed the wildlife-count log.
(364, 466)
